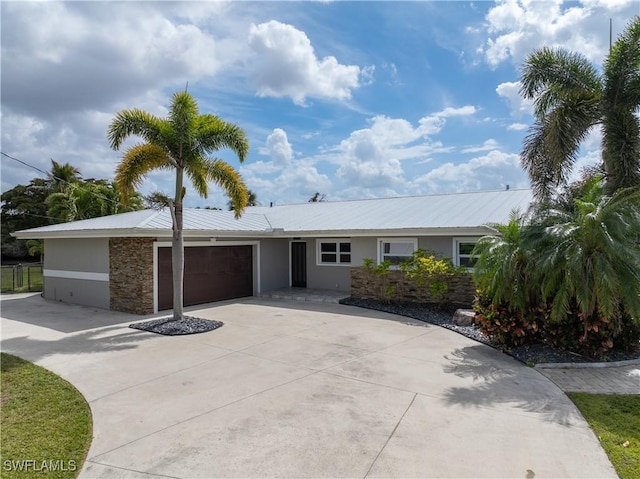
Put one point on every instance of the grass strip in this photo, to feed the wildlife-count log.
(45, 423)
(615, 419)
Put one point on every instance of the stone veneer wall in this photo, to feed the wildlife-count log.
(367, 285)
(131, 275)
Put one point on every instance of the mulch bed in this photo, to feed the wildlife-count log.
(171, 327)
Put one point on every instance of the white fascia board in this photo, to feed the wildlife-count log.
(463, 231)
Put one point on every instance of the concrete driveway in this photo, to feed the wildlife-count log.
(298, 390)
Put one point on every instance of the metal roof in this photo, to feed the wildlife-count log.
(431, 213)
(153, 222)
(458, 210)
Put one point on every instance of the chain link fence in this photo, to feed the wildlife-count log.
(21, 278)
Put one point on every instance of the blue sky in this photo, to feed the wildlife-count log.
(351, 99)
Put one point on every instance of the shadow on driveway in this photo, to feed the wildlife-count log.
(514, 385)
(62, 317)
(88, 342)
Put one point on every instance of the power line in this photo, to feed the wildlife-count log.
(49, 175)
(33, 215)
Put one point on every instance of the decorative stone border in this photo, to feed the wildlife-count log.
(366, 285)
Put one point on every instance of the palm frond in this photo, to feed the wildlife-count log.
(622, 68)
(136, 162)
(621, 145)
(197, 171)
(135, 122)
(225, 176)
(548, 74)
(183, 115)
(215, 134)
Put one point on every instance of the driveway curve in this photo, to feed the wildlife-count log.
(302, 390)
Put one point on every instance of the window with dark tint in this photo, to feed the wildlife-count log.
(334, 252)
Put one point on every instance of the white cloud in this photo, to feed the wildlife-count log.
(297, 182)
(286, 65)
(466, 110)
(62, 54)
(302, 179)
(510, 91)
(492, 171)
(279, 148)
(517, 127)
(68, 67)
(517, 27)
(488, 145)
(372, 157)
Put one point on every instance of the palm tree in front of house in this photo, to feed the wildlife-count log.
(571, 96)
(182, 142)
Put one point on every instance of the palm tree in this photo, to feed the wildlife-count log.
(589, 255)
(61, 176)
(571, 97)
(500, 271)
(181, 142)
(90, 199)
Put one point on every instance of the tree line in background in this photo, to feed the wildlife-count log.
(61, 197)
(567, 272)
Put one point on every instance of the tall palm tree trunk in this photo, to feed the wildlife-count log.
(177, 249)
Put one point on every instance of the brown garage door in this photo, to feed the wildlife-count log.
(211, 273)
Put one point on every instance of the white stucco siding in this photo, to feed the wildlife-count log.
(274, 264)
(90, 255)
(77, 271)
(77, 291)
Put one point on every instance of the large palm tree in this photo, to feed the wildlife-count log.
(571, 96)
(181, 142)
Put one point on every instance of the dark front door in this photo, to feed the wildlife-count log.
(211, 273)
(299, 264)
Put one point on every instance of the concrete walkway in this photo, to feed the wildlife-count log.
(597, 380)
(307, 294)
(288, 389)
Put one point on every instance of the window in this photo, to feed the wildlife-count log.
(334, 251)
(396, 250)
(462, 249)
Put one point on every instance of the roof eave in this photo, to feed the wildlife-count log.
(130, 233)
(275, 233)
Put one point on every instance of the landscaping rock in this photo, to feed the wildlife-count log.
(170, 327)
(463, 317)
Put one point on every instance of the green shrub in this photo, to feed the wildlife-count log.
(429, 271)
(594, 336)
(386, 291)
(506, 324)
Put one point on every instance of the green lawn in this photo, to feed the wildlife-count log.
(45, 423)
(615, 419)
(31, 279)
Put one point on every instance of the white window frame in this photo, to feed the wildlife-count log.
(456, 249)
(381, 241)
(337, 242)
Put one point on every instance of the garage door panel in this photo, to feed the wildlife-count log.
(212, 273)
